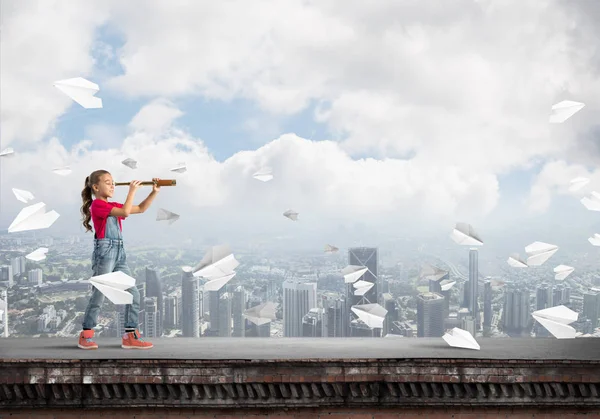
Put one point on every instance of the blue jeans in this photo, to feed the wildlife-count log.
(109, 256)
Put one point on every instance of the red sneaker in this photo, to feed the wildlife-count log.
(133, 340)
(86, 340)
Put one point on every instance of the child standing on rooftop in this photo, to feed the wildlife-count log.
(109, 253)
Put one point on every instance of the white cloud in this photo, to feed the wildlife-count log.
(156, 116)
(42, 42)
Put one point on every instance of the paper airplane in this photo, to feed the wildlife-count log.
(353, 272)
(164, 215)
(459, 338)
(7, 152)
(592, 201)
(262, 313)
(595, 239)
(465, 235)
(578, 183)
(62, 171)
(217, 263)
(180, 168)
(562, 271)
(372, 315)
(362, 287)
(564, 110)
(291, 214)
(132, 164)
(539, 252)
(330, 249)
(393, 335)
(556, 320)
(217, 283)
(33, 217)
(114, 285)
(38, 254)
(515, 261)
(23, 196)
(264, 175)
(81, 91)
(448, 285)
(432, 273)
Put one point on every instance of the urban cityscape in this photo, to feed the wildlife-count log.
(418, 295)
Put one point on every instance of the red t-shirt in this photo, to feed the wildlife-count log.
(100, 212)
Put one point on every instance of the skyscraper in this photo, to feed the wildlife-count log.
(190, 319)
(154, 289)
(312, 323)
(224, 328)
(335, 317)
(487, 304)
(591, 302)
(6, 274)
(430, 315)
(214, 300)
(516, 311)
(298, 299)
(171, 319)
(237, 312)
(473, 285)
(152, 317)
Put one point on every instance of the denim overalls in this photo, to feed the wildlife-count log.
(109, 256)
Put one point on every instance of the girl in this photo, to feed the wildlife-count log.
(109, 254)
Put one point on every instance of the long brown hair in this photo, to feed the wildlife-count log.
(86, 196)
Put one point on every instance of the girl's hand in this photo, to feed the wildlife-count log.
(134, 185)
(155, 187)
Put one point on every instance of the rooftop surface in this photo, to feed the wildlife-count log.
(581, 349)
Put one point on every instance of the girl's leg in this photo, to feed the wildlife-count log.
(93, 308)
(131, 310)
(103, 262)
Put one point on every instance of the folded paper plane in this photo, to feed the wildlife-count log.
(330, 249)
(217, 263)
(216, 284)
(62, 171)
(164, 215)
(564, 110)
(7, 152)
(353, 272)
(562, 271)
(465, 235)
(81, 91)
(578, 183)
(556, 320)
(448, 285)
(262, 313)
(372, 315)
(38, 254)
(539, 252)
(362, 287)
(180, 168)
(264, 175)
(33, 217)
(432, 273)
(592, 201)
(459, 338)
(291, 214)
(595, 239)
(515, 261)
(114, 285)
(23, 196)
(132, 164)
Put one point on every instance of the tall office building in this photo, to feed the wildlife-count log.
(473, 285)
(151, 326)
(18, 265)
(4, 308)
(237, 311)
(591, 303)
(367, 257)
(35, 277)
(6, 274)
(214, 298)
(389, 303)
(171, 318)
(335, 317)
(487, 304)
(190, 304)
(141, 286)
(298, 299)
(312, 323)
(154, 289)
(430, 315)
(225, 303)
(516, 311)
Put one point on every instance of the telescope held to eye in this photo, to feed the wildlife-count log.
(162, 182)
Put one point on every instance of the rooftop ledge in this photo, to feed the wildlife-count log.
(300, 372)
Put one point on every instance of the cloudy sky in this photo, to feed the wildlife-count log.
(394, 116)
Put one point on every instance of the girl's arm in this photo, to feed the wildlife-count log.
(145, 204)
(128, 205)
